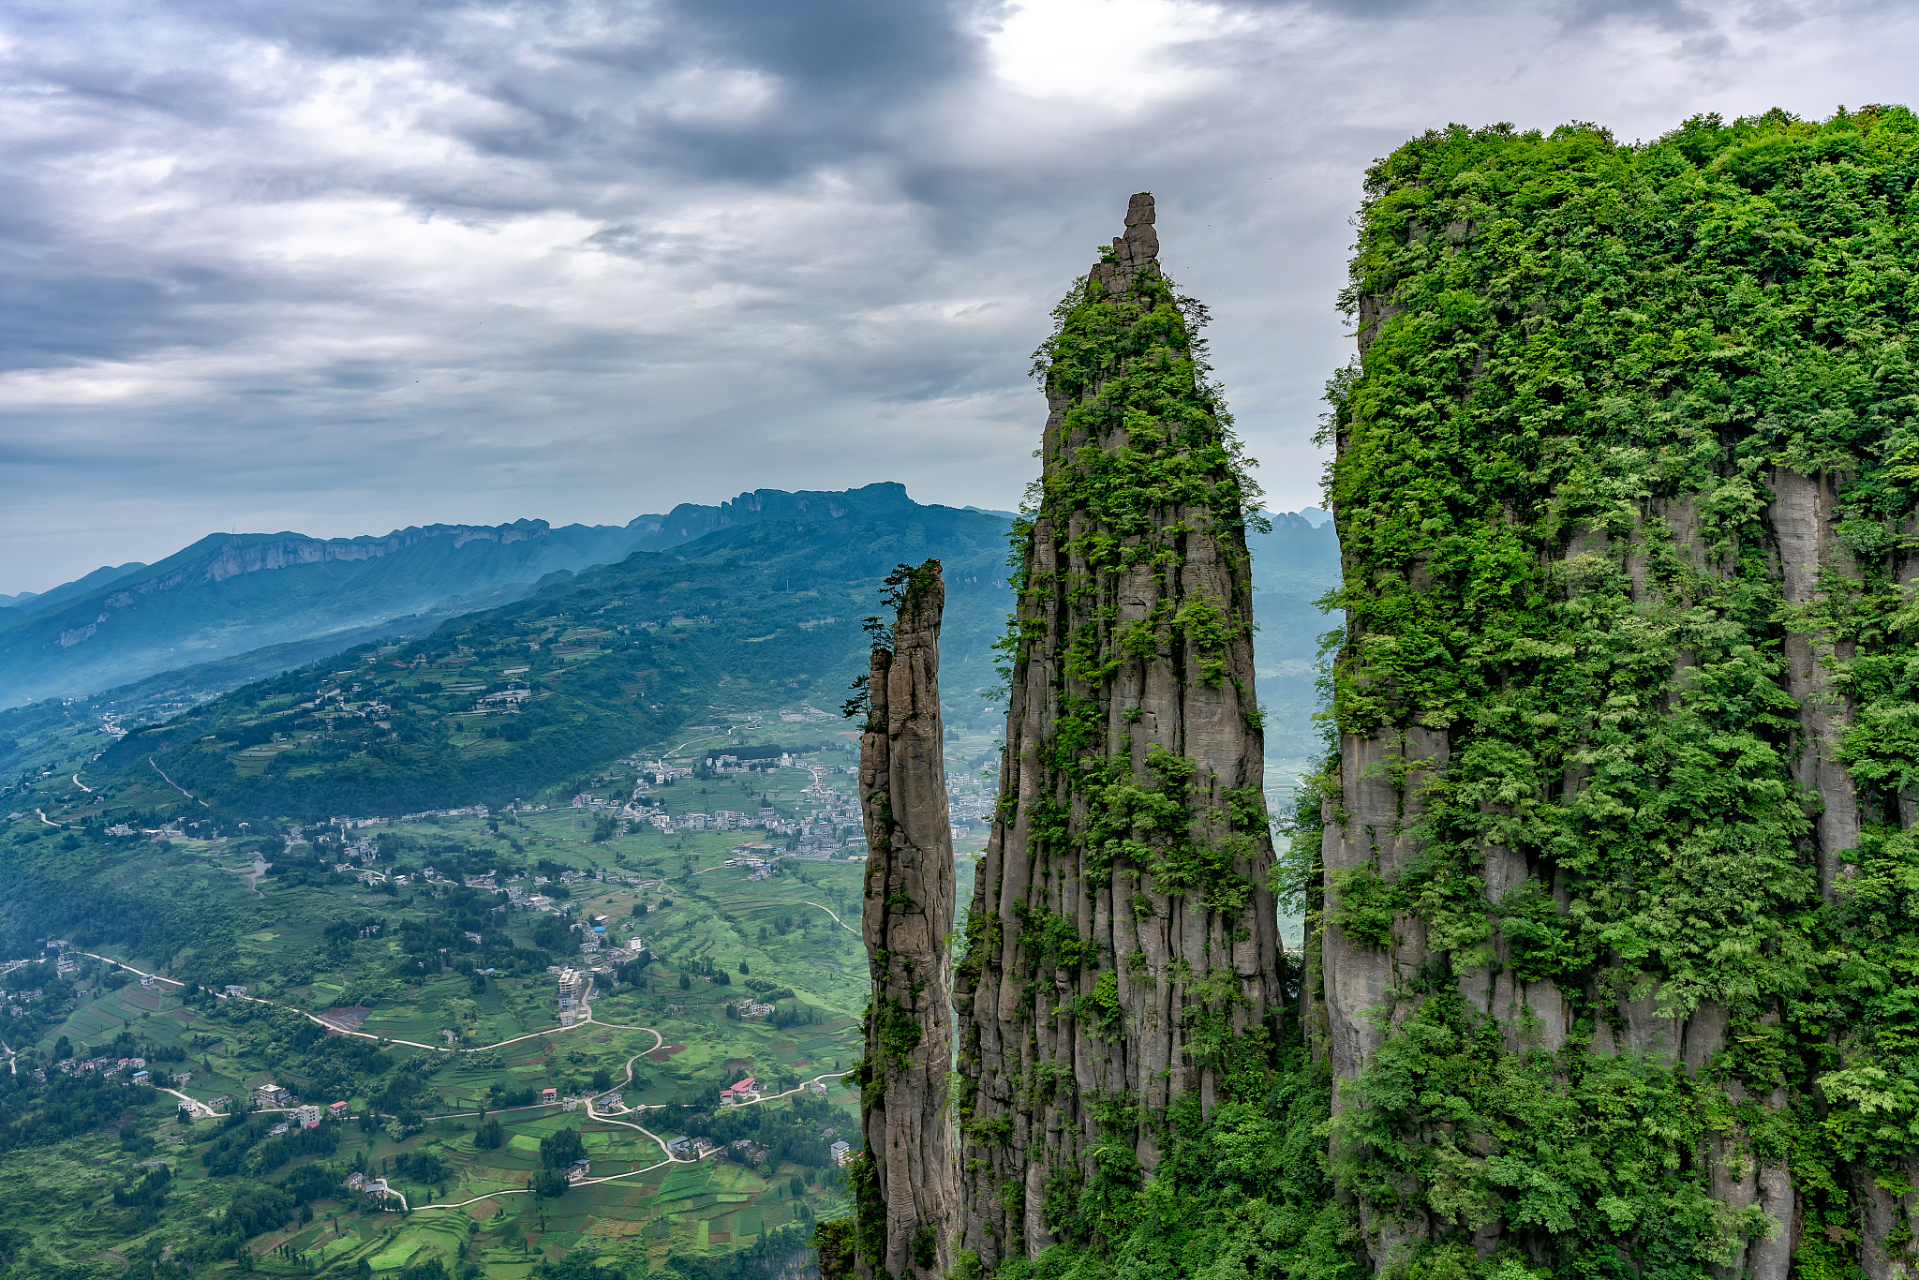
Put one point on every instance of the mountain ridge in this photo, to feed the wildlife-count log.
(609, 658)
(208, 600)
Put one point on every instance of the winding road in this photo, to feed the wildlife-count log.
(836, 919)
(613, 1118)
(176, 786)
(318, 1020)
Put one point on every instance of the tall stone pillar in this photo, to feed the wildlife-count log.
(1122, 951)
(907, 1175)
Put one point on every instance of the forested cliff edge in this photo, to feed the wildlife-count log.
(1609, 960)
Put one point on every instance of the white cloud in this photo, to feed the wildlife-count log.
(1123, 56)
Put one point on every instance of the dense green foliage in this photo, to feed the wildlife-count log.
(1241, 1191)
(787, 1135)
(1143, 434)
(1586, 362)
(33, 1113)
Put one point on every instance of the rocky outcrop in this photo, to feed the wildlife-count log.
(1122, 942)
(1804, 523)
(907, 921)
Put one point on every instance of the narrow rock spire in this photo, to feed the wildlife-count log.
(907, 1189)
(1122, 948)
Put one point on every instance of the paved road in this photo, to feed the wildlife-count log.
(196, 1107)
(612, 1118)
(829, 911)
(176, 786)
(588, 1021)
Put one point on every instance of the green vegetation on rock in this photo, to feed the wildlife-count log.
(1625, 487)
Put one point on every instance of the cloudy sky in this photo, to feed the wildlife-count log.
(339, 266)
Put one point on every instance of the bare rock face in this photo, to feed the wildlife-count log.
(908, 1207)
(1122, 944)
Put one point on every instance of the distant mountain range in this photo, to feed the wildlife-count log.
(33, 602)
(758, 593)
(1294, 565)
(232, 594)
(504, 702)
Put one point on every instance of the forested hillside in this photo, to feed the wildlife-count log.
(242, 597)
(228, 594)
(505, 703)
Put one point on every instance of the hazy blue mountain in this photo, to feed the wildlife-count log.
(610, 658)
(691, 520)
(231, 593)
(31, 602)
(1293, 566)
(231, 610)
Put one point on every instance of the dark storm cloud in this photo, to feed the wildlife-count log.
(346, 266)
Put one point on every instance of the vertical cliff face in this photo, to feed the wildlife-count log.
(909, 1194)
(1121, 947)
(1614, 842)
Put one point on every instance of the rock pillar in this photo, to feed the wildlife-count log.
(907, 1175)
(1121, 951)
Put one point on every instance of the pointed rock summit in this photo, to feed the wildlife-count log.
(1122, 953)
(906, 1185)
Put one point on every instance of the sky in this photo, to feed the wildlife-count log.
(344, 266)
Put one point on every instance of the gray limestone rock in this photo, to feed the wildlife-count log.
(1096, 967)
(907, 921)
(1359, 993)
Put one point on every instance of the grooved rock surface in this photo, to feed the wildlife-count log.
(1368, 991)
(907, 921)
(1123, 930)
